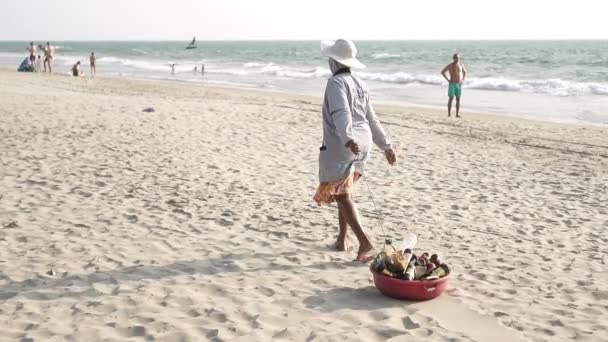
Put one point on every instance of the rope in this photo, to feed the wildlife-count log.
(379, 215)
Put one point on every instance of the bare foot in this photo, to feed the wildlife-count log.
(341, 246)
(458, 116)
(363, 251)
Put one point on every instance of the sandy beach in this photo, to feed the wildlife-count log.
(196, 222)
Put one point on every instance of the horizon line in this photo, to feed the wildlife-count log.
(307, 40)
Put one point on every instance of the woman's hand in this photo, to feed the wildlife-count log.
(352, 145)
(390, 155)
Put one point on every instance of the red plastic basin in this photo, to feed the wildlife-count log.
(410, 289)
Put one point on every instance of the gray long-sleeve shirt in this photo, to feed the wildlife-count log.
(347, 115)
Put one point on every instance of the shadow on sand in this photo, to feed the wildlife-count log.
(102, 283)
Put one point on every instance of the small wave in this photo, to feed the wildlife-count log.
(402, 78)
(294, 72)
(493, 84)
(555, 87)
(272, 69)
(384, 55)
(139, 51)
(256, 65)
(599, 89)
(110, 59)
(146, 65)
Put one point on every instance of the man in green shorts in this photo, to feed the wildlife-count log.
(457, 76)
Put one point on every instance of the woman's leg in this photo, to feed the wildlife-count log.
(348, 210)
(341, 243)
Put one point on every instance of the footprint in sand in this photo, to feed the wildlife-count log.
(499, 314)
(136, 331)
(379, 316)
(409, 324)
(266, 291)
(546, 331)
(600, 295)
(182, 212)
(131, 218)
(423, 332)
(216, 316)
(194, 313)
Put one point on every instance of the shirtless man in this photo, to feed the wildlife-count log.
(32, 51)
(457, 76)
(93, 61)
(48, 57)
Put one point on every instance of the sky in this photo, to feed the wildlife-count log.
(303, 19)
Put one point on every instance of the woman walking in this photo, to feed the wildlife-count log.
(350, 125)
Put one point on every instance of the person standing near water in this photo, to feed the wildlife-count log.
(38, 65)
(350, 126)
(32, 51)
(93, 62)
(48, 57)
(457, 76)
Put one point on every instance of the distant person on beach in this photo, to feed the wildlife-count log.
(32, 50)
(203, 70)
(76, 69)
(350, 125)
(172, 68)
(48, 57)
(457, 76)
(93, 62)
(40, 50)
(195, 69)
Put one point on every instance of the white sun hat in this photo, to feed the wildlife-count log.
(343, 51)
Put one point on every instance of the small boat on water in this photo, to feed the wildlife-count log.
(192, 44)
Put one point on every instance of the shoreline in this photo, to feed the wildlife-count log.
(478, 114)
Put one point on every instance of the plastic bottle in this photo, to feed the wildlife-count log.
(410, 273)
(409, 241)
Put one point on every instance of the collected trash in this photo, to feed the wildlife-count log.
(404, 275)
(149, 110)
(406, 265)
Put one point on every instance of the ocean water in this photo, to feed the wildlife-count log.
(562, 81)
